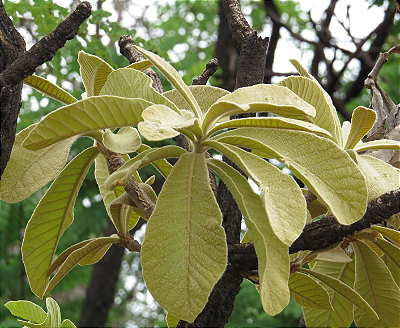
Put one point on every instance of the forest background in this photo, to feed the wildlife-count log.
(325, 37)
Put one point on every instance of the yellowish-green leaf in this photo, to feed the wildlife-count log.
(380, 177)
(273, 257)
(392, 235)
(307, 292)
(344, 290)
(94, 72)
(161, 122)
(49, 89)
(121, 210)
(184, 251)
(141, 65)
(173, 76)
(26, 310)
(281, 196)
(161, 165)
(51, 218)
(310, 91)
(148, 156)
(67, 324)
(325, 168)
(52, 318)
(334, 255)
(171, 321)
(259, 98)
(362, 120)
(375, 284)
(130, 83)
(84, 116)
(378, 144)
(28, 170)
(272, 122)
(126, 140)
(391, 251)
(94, 246)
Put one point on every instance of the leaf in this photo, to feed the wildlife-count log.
(307, 292)
(392, 235)
(67, 324)
(51, 320)
(141, 65)
(375, 284)
(282, 198)
(334, 255)
(94, 72)
(308, 89)
(49, 89)
(259, 98)
(130, 83)
(84, 116)
(391, 251)
(271, 122)
(26, 310)
(121, 209)
(173, 76)
(161, 122)
(171, 320)
(362, 120)
(146, 157)
(273, 257)
(28, 170)
(94, 246)
(378, 144)
(326, 169)
(126, 140)
(161, 165)
(184, 251)
(52, 216)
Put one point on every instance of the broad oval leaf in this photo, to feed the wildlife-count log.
(84, 116)
(94, 72)
(375, 284)
(362, 120)
(272, 254)
(184, 251)
(50, 89)
(26, 310)
(307, 292)
(52, 216)
(126, 140)
(28, 170)
(324, 167)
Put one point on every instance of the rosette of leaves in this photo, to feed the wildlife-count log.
(184, 251)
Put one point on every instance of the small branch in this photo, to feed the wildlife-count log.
(383, 57)
(211, 67)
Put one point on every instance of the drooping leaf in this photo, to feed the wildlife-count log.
(184, 251)
(26, 310)
(325, 168)
(84, 116)
(307, 292)
(259, 98)
(344, 290)
(28, 170)
(52, 216)
(281, 196)
(378, 144)
(49, 89)
(362, 120)
(94, 72)
(375, 284)
(310, 91)
(126, 140)
(173, 76)
(94, 246)
(130, 83)
(273, 257)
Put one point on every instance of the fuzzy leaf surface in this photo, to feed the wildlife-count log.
(378, 144)
(52, 216)
(362, 120)
(85, 116)
(325, 168)
(28, 170)
(126, 140)
(184, 251)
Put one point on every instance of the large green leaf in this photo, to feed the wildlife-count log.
(362, 120)
(273, 257)
(84, 116)
(326, 169)
(173, 76)
(310, 91)
(94, 72)
(29, 170)
(49, 89)
(282, 198)
(259, 98)
(51, 218)
(307, 292)
(184, 251)
(376, 285)
(130, 83)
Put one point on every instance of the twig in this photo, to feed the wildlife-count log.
(211, 67)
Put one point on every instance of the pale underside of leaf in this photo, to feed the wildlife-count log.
(51, 217)
(126, 140)
(392, 235)
(26, 310)
(28, 170)
(325, 168)
(378, 144)
(141, 65)
(362, 120)
(84, 116)
(391, 251)
(184, 251)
